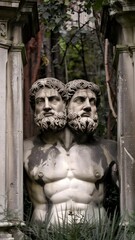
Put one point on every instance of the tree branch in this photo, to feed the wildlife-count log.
(82, 49)
(69, 42)
(108, 78)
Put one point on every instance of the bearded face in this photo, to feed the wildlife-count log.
(82, 112)
(56, 121)
(50, 111)
(82, 124)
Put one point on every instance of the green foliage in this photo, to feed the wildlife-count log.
(97, 4)
(53, 13)
(83, 46)
(80, 48)
(76, 49)
(105, 229)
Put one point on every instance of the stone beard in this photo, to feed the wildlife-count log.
(56, 121)
(82, 124)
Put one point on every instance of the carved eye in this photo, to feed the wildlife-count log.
(39, 100)
(93, 101)
(54, 99)
(79, 99)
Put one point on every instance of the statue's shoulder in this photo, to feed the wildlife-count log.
(28, 143)
(110, 148)
(108, 143)
(32, 142)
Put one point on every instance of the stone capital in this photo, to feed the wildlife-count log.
(21, 13)
(123, 12)
(130, 49)
(118, 22)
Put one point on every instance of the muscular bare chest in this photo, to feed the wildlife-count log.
(53, 162)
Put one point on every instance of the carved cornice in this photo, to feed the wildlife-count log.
(123, 12)
(18, 12)
(117, 15)
(126, 17)
(10, 3)
(8, 8)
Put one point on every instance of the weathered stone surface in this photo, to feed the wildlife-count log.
(122, 19)
(11, 107)
(126, 129)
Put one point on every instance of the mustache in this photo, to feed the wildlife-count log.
(74, 115)
(41, 115)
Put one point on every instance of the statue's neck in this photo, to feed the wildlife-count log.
(66, 137)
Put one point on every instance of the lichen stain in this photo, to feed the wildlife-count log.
(37, 155)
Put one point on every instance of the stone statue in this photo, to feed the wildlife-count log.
(66, 167)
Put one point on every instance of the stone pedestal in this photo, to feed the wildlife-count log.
(14, 15)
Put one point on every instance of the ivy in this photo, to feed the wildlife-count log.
(55, 13)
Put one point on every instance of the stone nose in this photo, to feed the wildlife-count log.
(87, 106)
(47, 105)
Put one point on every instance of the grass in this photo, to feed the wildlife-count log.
(105, 229)
(112, 228)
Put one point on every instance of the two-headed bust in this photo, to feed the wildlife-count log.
(65, 165)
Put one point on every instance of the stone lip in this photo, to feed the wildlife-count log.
(11, 224)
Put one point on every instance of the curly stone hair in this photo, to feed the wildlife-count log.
(46, 82)
(72, 86)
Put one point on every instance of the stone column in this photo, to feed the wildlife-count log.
(124, 27)
(14, 127)
(15, 30)
(4, 48)
(3, 63)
